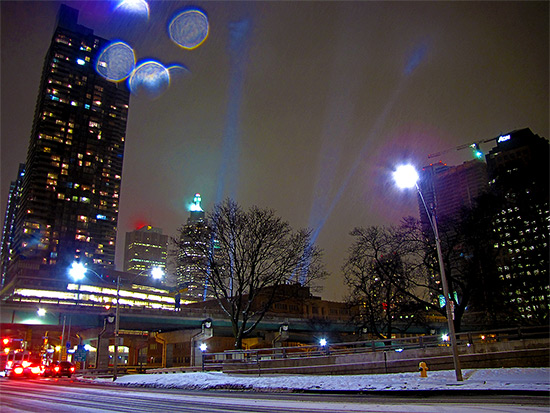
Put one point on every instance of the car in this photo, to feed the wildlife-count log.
(25, 370)
(59, 369)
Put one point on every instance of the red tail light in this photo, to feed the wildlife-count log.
(10, 363)
(26, 363)
(36, 370)
(56, 368)
(18, 370)
(72, 369)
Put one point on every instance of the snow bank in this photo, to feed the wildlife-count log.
(474, 379)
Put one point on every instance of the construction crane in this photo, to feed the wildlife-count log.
(474, 145)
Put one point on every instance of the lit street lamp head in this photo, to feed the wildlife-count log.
(157, 273)
(77, 271)
(405, 176)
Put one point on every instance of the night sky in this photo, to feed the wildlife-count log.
(302, 107)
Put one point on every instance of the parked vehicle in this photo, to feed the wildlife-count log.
(59, 369)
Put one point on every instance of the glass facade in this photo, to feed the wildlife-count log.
(70, 193)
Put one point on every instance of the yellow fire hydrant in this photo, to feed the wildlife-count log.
(423, 368)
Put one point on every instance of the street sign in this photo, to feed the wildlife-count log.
(80, 355)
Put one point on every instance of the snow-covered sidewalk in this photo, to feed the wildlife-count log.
(474, 379)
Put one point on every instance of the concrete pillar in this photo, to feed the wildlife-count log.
(102, 357)
(135, 345)
(169, 354)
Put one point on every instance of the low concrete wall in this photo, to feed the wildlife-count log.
(520, 353)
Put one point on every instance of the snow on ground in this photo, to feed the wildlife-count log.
(474, 379)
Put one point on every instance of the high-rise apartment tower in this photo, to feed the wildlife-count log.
(69, 201)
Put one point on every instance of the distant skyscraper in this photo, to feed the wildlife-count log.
(519, 173)
(451, 188)
(9, 220)
(70, 192)
(191, 262)
(196, 214)
(145, 248)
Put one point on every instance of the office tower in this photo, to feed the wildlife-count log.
(450, 189)
(519, 176)
(9, 220)
(190, 276)
(144, 249)
(70, 193)
(447, 191)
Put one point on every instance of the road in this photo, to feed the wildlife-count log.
(69, 395)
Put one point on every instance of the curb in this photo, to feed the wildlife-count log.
(427, 393)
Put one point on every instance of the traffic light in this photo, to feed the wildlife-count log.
(6, 341)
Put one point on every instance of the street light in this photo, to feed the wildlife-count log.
(203, 347)
(405, 176)
(157, 273)
(324, 345)
(78, 271)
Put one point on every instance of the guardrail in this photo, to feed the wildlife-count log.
(108, 372)
(216, 361)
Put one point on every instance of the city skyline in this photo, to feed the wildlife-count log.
(315, 101)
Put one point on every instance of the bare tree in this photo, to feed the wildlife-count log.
(381, 280)
(248, 260)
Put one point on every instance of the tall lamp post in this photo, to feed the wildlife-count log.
(78, 271)
(157, 273)
(405, 176)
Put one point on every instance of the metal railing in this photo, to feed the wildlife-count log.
(216, 361)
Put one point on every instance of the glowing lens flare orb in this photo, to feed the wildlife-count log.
(405, 176)
(177, 70)
(150, 77)
(189, 29)
(116, 62)
(139, 7)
